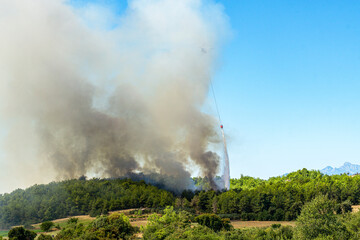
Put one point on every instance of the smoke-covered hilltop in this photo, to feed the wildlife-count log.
(78, 100)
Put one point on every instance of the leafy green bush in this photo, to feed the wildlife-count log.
(344, 207)
(45, 237)
(73, 220)
(275, 225)
(162, 227)
(318, 220)
(57, 226)
(115, 226)
(195, 233)
(352, 223)
(46, 226)
(71, 231)
(281, 233)
(20, 233)
(213, 222)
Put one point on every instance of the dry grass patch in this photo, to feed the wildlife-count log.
(355, 208)
(138, 223)
(247, 224)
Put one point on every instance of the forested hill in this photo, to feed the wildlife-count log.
(278, 198)
(76, 197)
(303, 178)
(281, 198)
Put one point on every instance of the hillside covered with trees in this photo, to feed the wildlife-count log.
(76, 197)
(278, 198)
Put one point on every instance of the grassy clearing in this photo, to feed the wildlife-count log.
(3, 233)
(85, 219)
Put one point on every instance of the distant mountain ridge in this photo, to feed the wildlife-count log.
(346, 168)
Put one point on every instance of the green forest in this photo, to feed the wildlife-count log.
(318, 220)
(278, 198)
(77, 197)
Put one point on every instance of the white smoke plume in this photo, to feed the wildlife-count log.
(121, 96)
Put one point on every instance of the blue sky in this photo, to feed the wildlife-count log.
(287, 84)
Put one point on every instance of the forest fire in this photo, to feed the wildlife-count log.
(89, 103)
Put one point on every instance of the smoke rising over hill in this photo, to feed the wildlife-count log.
(110, 100)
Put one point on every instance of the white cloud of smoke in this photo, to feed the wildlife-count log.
(113, 98)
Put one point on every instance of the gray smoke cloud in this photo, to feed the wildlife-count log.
(86, 92)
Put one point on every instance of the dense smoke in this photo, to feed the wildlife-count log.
(84, 91)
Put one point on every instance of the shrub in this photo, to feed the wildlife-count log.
(28, 226)
(196, 233)
(46, 226)
(344, 207)
(214, 222)
(20, 233)
(114, 225)
(275, 225)
(45, 237)
(281, 233)
(71, 231)
(73, 220)
(318, 220)
(161, 227)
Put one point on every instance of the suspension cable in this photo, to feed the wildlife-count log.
(216, 105)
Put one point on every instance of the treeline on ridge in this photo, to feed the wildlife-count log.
(77, 197)
(279, 198)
